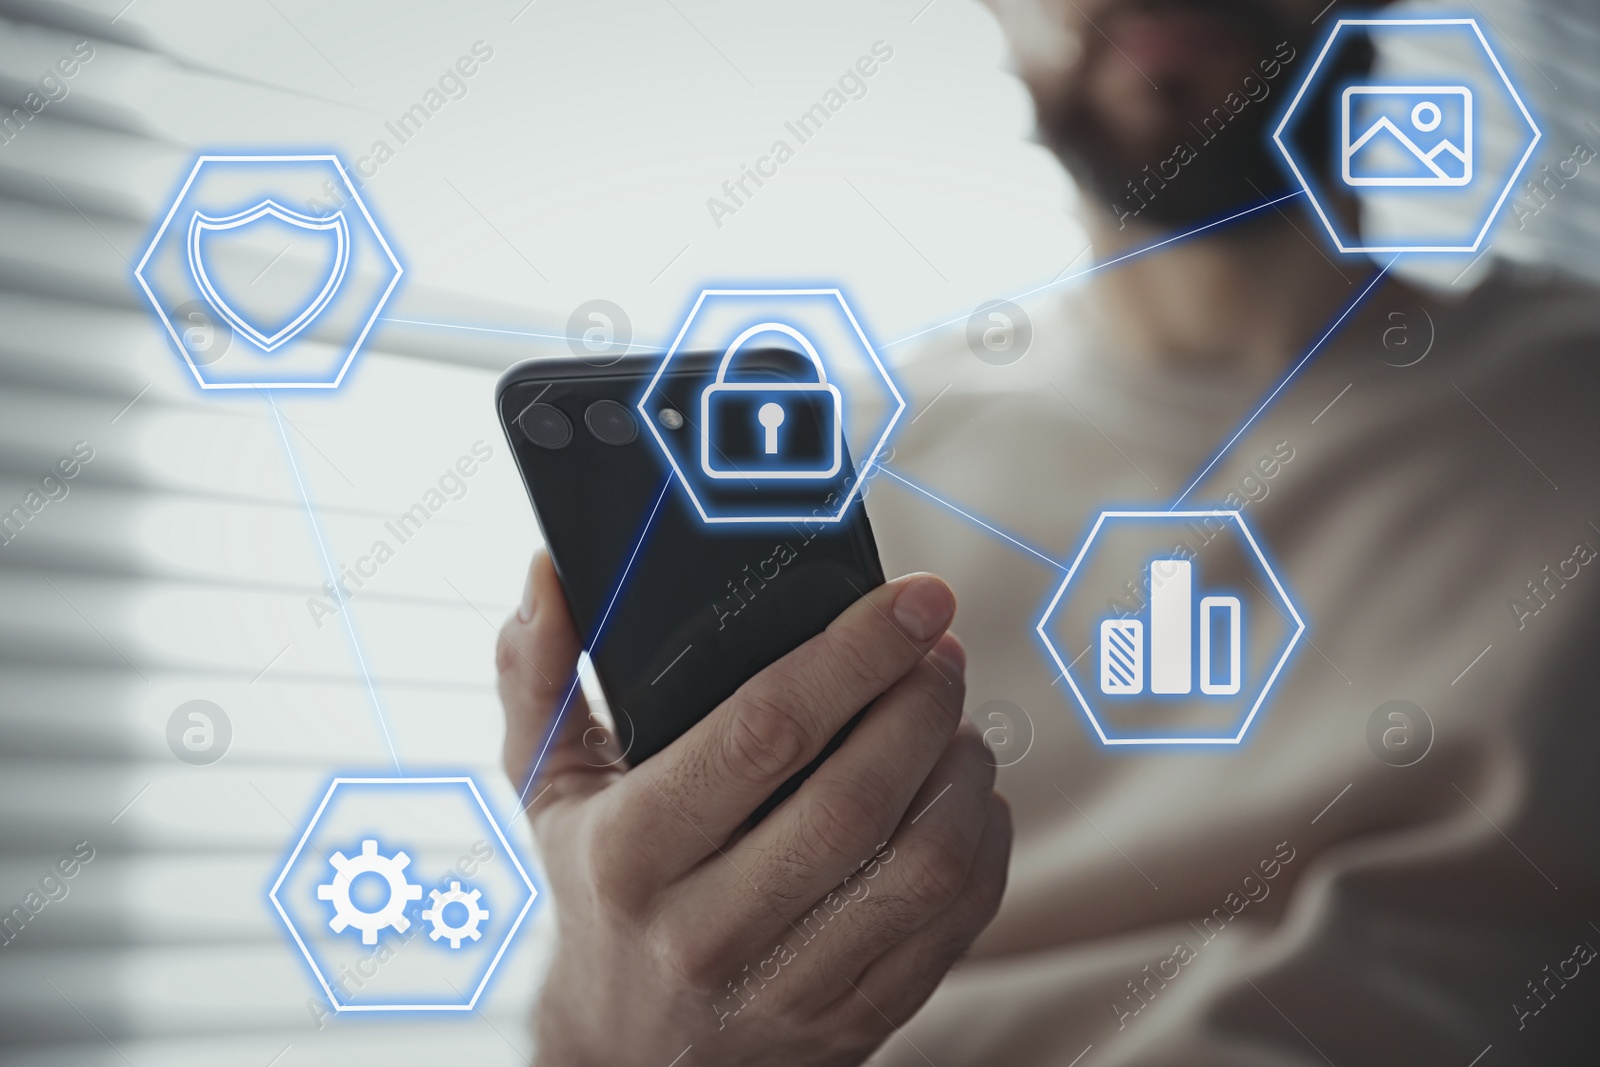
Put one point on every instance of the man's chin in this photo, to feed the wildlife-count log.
(1192, 182)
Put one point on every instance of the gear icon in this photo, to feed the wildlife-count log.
(371, 861)
(468, 927)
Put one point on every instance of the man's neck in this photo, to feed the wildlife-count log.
(1247, 298)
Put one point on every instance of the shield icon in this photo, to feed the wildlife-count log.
(273, 315)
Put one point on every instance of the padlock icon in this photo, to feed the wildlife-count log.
(771, 430)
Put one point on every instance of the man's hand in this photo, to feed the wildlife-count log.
(806, 939)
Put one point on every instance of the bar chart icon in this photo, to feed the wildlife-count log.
(1186, 624)
(1170, 650)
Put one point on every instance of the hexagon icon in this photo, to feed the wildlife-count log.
(771, 405)
(402, 894)
(268, 272)
(1430, 141)
(1170, 627)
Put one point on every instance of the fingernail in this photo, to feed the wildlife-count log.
(924, 608)
(950, 652)
(525, 609)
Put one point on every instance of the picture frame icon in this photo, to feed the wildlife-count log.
(1395, 136)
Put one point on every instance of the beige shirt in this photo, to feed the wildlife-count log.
(1359, 912)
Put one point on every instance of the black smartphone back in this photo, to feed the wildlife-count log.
(675, 612)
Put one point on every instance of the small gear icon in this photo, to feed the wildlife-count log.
(469, 925)
(371, 861)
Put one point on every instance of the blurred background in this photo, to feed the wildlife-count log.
(180, 565)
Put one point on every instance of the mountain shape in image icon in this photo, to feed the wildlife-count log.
(1398, 156)
(1384, 128)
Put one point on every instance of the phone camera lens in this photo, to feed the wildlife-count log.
(545, 426)
(612, 423)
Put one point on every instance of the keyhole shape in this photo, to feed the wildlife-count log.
(771, 416)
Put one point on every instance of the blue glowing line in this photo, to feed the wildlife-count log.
(508, 333)
(1092, 268)
(1301, 362)
(968, 515)
(1112, 262)
(594, 642)
(333, 576)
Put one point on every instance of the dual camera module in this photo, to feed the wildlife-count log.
(611, 423)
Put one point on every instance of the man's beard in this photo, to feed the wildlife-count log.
(1219, 159)
(1235, 168)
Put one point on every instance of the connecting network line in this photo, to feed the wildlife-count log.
(611, 345)
(594, 642)
(936, 498)
(1273, 394)
(1114, 261)
(1053, 283)
(355, 644)
(345, 609)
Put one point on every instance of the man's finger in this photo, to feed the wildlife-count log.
(537, 657)
(918, 877)
(901, 979)
(854, 801)
(691, 797)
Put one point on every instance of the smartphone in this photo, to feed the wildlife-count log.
(674, 612)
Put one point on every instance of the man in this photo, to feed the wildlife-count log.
(1302, 899)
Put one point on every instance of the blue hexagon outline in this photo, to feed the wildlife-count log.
(377, 309)
(1511, 181)
(861, 472)
(1266, 687)
(272, 894)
